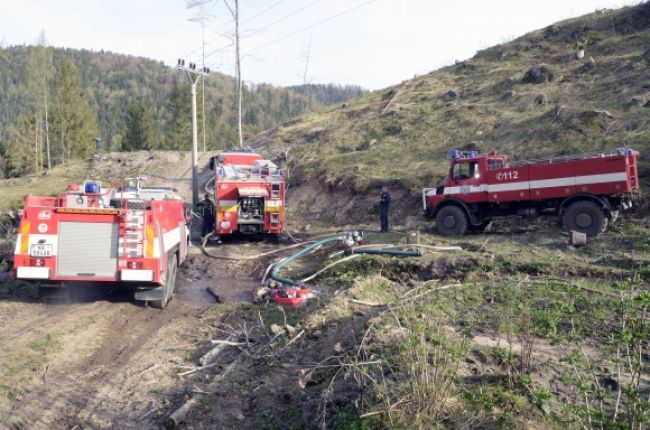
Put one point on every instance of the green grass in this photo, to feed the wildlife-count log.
(13, 191)
(22, 363)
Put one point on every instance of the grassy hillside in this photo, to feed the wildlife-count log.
(401, 135)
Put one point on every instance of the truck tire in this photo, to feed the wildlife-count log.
(168, 289)
(451, 221)
(585, 217)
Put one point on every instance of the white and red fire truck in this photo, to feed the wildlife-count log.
(126, 235)
(585, 191)
(249, 194)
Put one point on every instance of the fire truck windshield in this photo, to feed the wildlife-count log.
(465, 170)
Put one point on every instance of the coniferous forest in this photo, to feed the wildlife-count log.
(54, 102)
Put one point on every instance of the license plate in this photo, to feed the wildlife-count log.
(41, 250)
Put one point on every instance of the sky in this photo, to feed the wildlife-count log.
(371, 43)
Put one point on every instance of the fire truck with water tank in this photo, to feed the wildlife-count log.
(586, 191)
(126, 235)
(249, 194)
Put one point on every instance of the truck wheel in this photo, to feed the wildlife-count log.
(168, 289)
(585, 217)
(451, 221)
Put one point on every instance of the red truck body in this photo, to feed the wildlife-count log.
(483, 187)
(249, 194)
(131, 236)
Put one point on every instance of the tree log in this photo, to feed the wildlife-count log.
(216, 295)
(212, 355)
(180, 414)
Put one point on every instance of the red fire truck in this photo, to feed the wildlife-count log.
(585, 191)
(249, 194)
(126, 235)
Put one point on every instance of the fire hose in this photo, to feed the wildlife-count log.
(274, 274)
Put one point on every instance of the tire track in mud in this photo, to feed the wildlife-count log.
(88, 393)
(21, 326)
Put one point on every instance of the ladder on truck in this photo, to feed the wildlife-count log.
(131, 236)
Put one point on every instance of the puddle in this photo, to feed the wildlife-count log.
(193, 291)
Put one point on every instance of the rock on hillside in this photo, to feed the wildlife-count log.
(400, 135)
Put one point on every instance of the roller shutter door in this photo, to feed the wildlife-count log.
(87, 249)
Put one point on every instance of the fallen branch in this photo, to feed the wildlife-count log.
(180, 414)
(361, 302)
(212, 355)
(295, 338)
(329, 266)
(216, 295)
(197, 369)
(149, 369)
(225, 342)
(417, 296)
(323, 366)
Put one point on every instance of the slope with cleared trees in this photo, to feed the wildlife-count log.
(401, 135)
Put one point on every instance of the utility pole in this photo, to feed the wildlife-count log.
(194, 77)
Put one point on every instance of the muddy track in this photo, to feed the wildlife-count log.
(99, 378)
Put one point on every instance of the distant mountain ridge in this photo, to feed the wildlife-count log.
(111, 81)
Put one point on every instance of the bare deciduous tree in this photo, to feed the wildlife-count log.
(233, 7)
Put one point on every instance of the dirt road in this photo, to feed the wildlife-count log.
(103, 361)
(99, 364)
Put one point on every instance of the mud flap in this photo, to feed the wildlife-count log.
(150, 294)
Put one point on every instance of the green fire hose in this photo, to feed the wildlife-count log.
(276, 269)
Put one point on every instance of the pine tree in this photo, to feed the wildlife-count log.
(74, 126)
(17, 147)
(38, 76)
(178, 130)
(139, 134)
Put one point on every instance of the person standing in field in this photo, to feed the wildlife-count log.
(384, 206)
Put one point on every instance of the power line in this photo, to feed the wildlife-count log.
(284, 18)
(311, 26)
(262, 12)
(224, 35)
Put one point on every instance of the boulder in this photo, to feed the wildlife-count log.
(451, 94)
(588, 65)
(539, 74)
(602, 114)
(560, 111)
(314, 133)
(638, 101)
(510, 94)
(509, 82)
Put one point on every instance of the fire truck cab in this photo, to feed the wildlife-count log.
(586, 191)
(249, 194)
(128, 235)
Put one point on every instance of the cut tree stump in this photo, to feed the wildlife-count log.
(577, 239)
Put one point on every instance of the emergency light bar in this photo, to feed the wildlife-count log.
(92, 187)
(455, 153)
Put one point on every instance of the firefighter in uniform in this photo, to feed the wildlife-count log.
(207, 207)
(384, 206)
